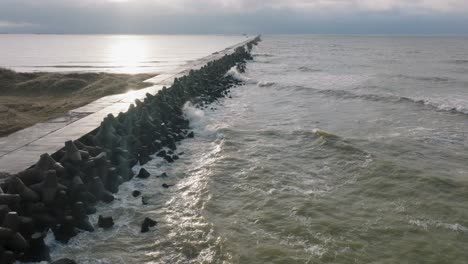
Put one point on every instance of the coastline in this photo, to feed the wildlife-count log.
(63, 188)
(30, 98)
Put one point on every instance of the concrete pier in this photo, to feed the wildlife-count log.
(22, 149)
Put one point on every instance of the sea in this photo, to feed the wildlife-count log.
(107, 53)
(337, 149)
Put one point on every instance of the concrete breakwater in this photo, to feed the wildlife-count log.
(60, 191)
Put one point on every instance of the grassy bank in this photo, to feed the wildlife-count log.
(29, 98)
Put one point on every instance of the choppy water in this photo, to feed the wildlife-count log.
(337, 150)
(107, 53)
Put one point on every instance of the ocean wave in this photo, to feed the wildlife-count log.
(234, 73)
(198, 121)
(324, 134)
(437, 104)
(265, 84)
(262, 55)
(307, 69)
(458, 61)
(452, 107)
(426, 224)
(433, 79)
(332, 141)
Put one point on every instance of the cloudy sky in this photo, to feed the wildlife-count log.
(235, 16)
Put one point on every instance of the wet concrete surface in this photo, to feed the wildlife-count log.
(22, 149)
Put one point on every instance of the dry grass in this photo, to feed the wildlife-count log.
(29, 98)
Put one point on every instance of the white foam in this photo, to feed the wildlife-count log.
(194, 115)
(203, 125)
(265, 84)
(426, 223)
(234, 73)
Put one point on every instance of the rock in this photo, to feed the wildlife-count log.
(26, 226)
(171, 143)
(16, 185)
(61, 201)
(17, 243)
(87, 198)
(65, 230)
(143, 159)
(4, 210)
(90, 210)
(105, 222)
(43, 221)
(107, 136)
(191, 134)
(136, 193)
(161, 154)
(84, 224)
(143, 174)
(31, 176)
(169, 159)
(72, 152)
(94, 151)
(147, 223)
(80, 217)
(84, 154)
(113, 180)
(5, 233)
(37, 251)
(49, 187)
(175, 157)
(100, 159)
(163, 175)
(11, 221)
(9, 199)
(96, 187)
(46, 162)
(143, 155)
(8, 257)
(77, 183)
(145, 200)
(107, 197)
(79, 210)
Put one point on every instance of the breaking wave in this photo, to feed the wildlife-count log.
(460, 106)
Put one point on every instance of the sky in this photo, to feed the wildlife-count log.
(234, 16)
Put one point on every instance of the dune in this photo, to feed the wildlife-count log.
(29, 98)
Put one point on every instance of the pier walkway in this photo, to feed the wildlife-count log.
(22, 149)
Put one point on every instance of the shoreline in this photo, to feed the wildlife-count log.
(63, 188)
(29, 98)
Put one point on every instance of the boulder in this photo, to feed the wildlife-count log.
(72, 152)
(105, 222)
(147, 223)
(65, 230)
(38, 250)
(143, 174)
(16, 185)
(164, 185)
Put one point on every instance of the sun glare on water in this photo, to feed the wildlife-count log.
(128, 52)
